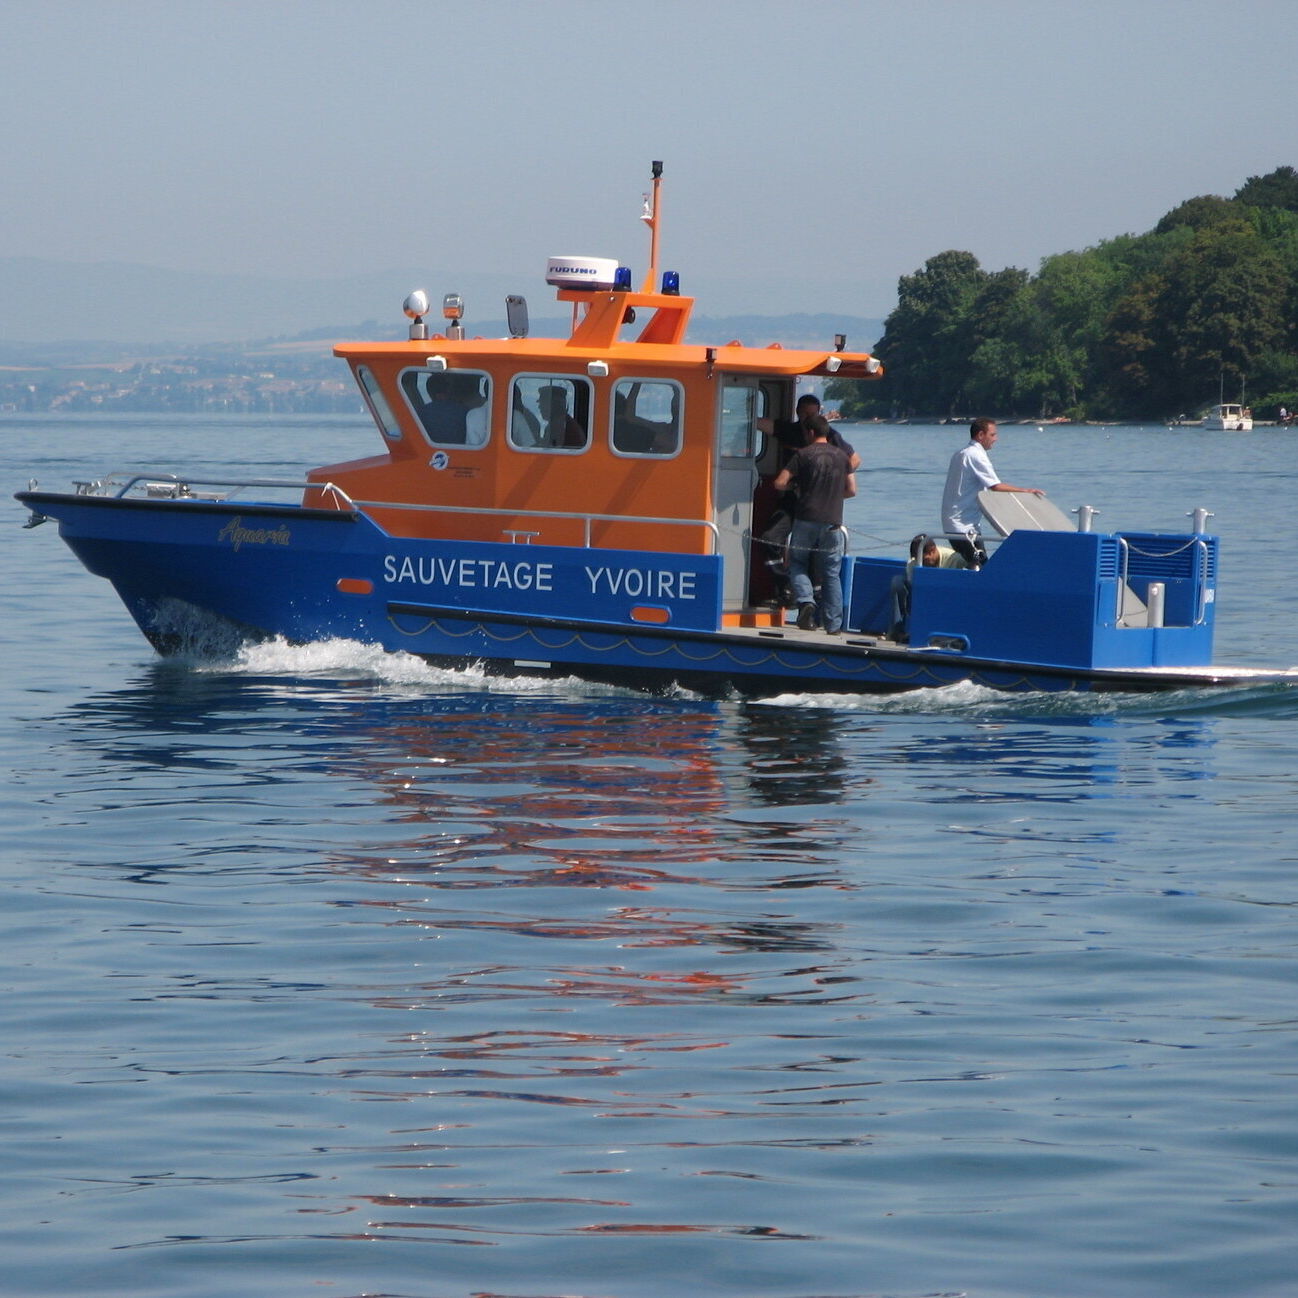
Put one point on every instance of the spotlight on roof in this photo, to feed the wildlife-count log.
(416, 307)
(453, 310)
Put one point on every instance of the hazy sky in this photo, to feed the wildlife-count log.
(814, 151)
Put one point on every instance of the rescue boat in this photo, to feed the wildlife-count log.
(591, 506)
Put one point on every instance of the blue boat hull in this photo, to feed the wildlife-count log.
(188, 569)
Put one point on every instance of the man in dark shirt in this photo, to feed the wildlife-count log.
(792, 433)
(824, 477)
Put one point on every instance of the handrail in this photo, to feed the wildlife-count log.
(1199, 575)
(586, 518)
(1124, 552)
(1201, 583)
(983, 539)
(288, 484)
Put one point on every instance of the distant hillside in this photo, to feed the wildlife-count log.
(296, 374)
(129, 308)
(52, 301)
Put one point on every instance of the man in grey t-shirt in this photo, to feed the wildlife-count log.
(824, 477)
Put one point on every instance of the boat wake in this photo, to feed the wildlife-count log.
(343, 660)
(354, 661)
(1272, 699)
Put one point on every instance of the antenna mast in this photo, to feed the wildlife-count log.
(651, 218)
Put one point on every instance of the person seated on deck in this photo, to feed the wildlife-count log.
(929, 553)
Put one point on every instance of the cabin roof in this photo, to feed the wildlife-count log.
(597, 335)
(525, 352)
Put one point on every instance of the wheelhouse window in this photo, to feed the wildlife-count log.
(549, 412)
(453, 406)
(647, 417)
(378, 403)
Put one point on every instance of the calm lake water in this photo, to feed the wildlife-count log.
(329, 973)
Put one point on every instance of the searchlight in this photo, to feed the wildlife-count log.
(453, 310)
(416, 306)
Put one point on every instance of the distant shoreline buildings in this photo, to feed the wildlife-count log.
(293, 376)
(216, 384)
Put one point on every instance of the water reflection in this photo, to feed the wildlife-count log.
(717, 955)
(1071, 759)
(795, 757)
(560, 991)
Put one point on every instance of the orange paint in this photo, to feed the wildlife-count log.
(594, 496)
(642, 614)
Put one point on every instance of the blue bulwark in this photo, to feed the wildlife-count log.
(1074, 599)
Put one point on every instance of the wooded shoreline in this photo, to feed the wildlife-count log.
(1157, 326)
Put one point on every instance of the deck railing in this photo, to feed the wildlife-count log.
(587, 519)
(170, 486)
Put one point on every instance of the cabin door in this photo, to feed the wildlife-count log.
(734, 478)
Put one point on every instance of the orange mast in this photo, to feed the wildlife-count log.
(650, 218)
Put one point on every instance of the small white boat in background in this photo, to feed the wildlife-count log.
(1227, 418)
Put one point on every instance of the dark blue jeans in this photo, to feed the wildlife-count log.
(816, 559)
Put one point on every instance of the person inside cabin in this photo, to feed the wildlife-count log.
(474, 396)
(636, 434)
(824, 478)
(928, 553)
(559, 428)
(970, 472)
(453, 412)
(525, 427)
(792, 433)
(442, 414)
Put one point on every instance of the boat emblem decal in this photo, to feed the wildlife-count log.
(237, 535)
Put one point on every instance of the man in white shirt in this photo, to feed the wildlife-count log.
(969, 473)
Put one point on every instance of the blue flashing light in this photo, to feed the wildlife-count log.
(622, 279)
(671, 283)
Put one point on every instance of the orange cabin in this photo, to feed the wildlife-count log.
(621, 436)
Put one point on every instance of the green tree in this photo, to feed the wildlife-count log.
(1134, 376)
(926, 341)
(1278, 188)
(1223, 307)
(994, 360)
(1198, 213)
(1139, 325)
